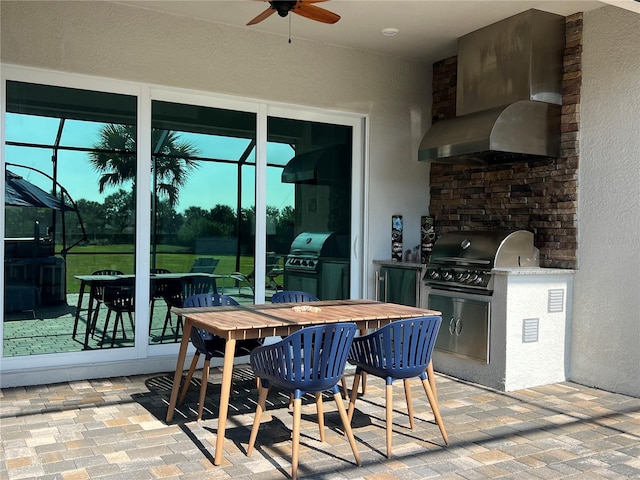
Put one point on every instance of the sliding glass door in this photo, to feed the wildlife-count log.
(70, 212)
(202, 208)
(231, 187)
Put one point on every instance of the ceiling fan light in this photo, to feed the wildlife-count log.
(390, 31)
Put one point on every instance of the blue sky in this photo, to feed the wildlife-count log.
(207, 186)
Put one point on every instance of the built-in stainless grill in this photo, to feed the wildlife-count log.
(318, 264)
(463, 261)
(460, 277)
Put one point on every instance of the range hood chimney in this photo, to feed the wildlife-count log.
(508, 94)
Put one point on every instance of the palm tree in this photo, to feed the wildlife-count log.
(115, 157)
(171, 161)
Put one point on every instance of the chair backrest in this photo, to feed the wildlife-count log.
(98, 289)
(400, 349)
(208, 300)
(204, 265)
(311, 359)
(194, 285)
(159, 270)
(289, 296)
(273, 261)
(198, 335)
(107, 272)
(120, 294)
(177, 290)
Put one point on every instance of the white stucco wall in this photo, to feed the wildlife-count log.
(106, 40)
(606, 325)
(115, 41)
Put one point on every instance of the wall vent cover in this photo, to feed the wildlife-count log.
(530, 329)
(556, 300)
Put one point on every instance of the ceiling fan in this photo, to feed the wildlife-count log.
(301, 7)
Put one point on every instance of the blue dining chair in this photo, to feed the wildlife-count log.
(296, 296)
(289, 296)
(118, 297)
(97, 295)
(398, 350)
(310, 360)
(210, 345)
(178, 291)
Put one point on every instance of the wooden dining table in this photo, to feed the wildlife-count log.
(260, 321)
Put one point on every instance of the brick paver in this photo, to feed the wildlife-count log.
(115, 429)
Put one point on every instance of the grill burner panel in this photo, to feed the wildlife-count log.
(462, 261)
(318, 264)
(298, 262)
(309, 248)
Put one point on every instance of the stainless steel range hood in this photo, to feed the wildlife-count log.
(508, 94)
(324, 166)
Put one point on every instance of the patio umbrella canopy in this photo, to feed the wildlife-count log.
(21, 193)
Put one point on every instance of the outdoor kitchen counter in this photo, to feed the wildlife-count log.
(531, 312)
(392, 263)
(533, 271)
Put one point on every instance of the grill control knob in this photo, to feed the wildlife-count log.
(447, 275)
(433, 274)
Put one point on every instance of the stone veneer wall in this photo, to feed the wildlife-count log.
(538, 195)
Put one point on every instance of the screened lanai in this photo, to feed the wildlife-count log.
(202, 177)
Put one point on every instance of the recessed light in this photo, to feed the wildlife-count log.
(390, 31)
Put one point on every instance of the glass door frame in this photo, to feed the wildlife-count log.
(145, 94)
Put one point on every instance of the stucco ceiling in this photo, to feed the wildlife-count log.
(428, 29)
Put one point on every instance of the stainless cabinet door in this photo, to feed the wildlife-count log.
(335, 281)
(465, 326)
(398, 285)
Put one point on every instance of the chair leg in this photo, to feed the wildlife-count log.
(431, 375)
(167, 321)
(94, 319)
(106, 326)
(151, 305)
(133, 325)
(354, 396)
(262, 405)
(344, 387)
(434, 406)
(115, 328)
(295, 449)
(203, 388)
(187, 381)
(178, 325)
(347, 426)
(320, 412)
(407, 396)
(124, 334)
(389, 416)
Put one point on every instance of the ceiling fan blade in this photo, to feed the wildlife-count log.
(312, 12)
(266, 14)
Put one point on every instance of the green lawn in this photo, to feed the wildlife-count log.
(83, 260)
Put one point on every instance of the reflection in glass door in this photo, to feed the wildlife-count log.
(203, 209)
(69, 215)
(309, 206)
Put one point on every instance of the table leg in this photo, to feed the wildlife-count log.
(177, 377)
(83, 285)
(225, 393)
(92, 296)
